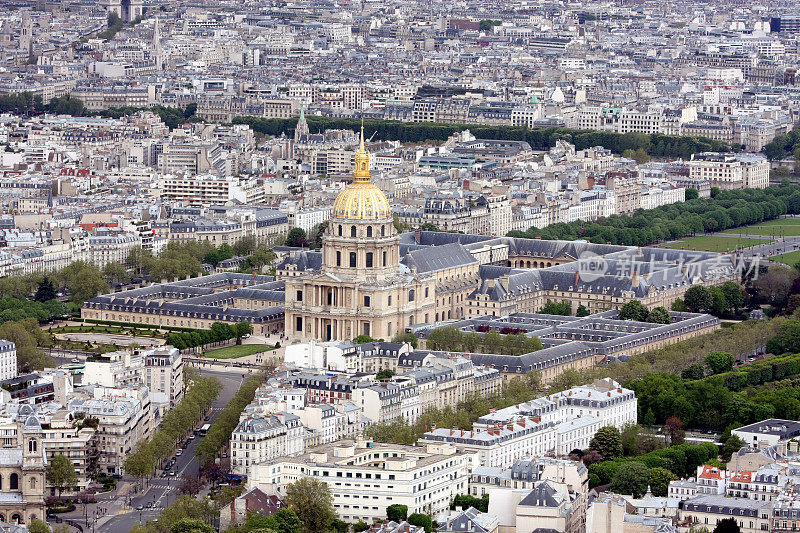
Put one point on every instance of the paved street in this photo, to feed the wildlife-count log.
(121, 506)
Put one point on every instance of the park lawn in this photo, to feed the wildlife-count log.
(789, 227)
(791, 258)
(714, 244)
(234, 352)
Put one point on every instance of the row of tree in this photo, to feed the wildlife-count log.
(784, 146)
(219, 332)
(462, 415)
(741, 339)
(29, 339)
(722, 401)
(724, 210)
(454, 340)
(14, 309)
(177, 422)
(636, 310)
(723, 301)
(219, 434)
(540, 138)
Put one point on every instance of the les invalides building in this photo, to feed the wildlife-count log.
(362, 288)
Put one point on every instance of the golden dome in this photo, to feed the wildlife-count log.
(361, 200)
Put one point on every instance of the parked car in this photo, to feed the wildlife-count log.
(179, 452)
(172, 474)
(140, 507)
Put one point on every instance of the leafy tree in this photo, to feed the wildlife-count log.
(317, 233)
(296, 237)
(311, 500)
(447, 338)
(115, 273)
(38, 526)
(192, 525)
(659, 481)
(631, 478)
(697, 299)
(720, 362)
(409, 338)
(727, 525)
(556, 308)
(60, 473)
(423, 520)
(679, 306)
(629, 436)
(384, 373)
(732, 445)
(674, 429)
(692, 194)
(787, 338)
(659, 315)
(45, 291)
(734, 298)
(242, 328)
(284, 521)
(397, 512)
(608, 442)
(245, 246)
(581, 311)
(360, 526)
(82, 280)
(693, 371)
(774, 286)
(361, 339)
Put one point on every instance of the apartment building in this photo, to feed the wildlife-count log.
(708, 510)
(366, 477)
(124, 419)
(730, 171)
(8, 360)
(257, 439)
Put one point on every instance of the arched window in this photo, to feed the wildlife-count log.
(383, 231)
(33, 483)
(369, 231)
(411, 320)
(16, 519)
(352, 259)
(14, 482)
(369, 259)
(352, 231)
(338, 258)
(32, 445)
(426, 292)
(384, 258)
(340, 230)
(411, 295)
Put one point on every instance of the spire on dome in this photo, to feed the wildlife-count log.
(362, 174)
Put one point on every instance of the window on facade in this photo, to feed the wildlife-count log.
(369, 231)
(338, 258)
(352, 259)
(411, 295)
(340, 230)
(366, 332)
(299, 296)
(383, 231)
(366, 301)
(369, 260)
(352, 231)
(298, 326)
(14, 482)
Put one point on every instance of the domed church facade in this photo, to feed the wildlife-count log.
(362, 288)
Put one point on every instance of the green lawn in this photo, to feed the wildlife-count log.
(234, 352)
(779, 226)
(791, 258)
(714, 244)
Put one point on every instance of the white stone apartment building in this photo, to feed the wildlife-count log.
(124, 418)
(8, 359)
(263, 438)
(502, 444)
(731, 171)
(366, 477)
